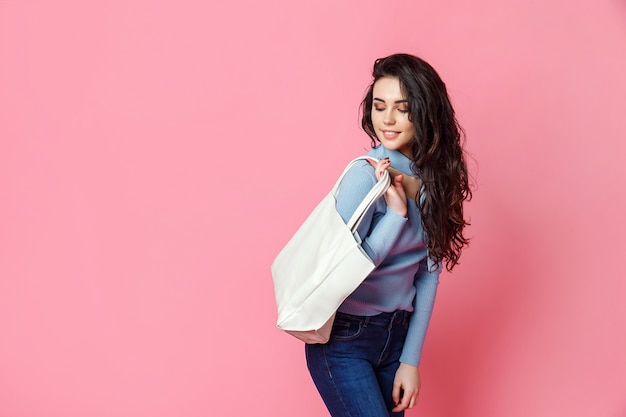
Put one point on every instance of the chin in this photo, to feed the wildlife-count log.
(390, 146)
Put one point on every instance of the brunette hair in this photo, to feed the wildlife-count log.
(437, 152)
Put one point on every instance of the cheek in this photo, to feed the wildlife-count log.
(376, 118)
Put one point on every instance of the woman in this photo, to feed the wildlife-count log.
(370, 366)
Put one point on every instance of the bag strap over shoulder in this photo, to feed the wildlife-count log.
(374, 194)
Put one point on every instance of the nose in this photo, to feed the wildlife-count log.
(389, 119)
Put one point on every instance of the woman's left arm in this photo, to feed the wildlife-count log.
(407, 379)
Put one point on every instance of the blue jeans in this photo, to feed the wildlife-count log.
(354, 371)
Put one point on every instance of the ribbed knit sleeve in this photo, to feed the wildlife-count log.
(380, 227)
(426, 282)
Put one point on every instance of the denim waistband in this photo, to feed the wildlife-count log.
(382, 319)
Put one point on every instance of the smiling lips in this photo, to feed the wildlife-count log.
(390, 134)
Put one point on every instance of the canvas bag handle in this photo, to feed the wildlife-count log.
(374, 194)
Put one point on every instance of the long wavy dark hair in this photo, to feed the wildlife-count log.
(437, 152)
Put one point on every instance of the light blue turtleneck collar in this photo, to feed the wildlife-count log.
(398, 160)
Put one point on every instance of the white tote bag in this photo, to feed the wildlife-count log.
(321, 265)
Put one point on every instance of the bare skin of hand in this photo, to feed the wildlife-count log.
(395, 197)
(411, 184)
(406, 387)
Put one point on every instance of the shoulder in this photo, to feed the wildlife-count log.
(358, 180)
(361, 171)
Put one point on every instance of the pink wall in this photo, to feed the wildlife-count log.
(146, 159)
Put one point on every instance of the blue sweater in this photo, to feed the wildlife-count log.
(402, 279)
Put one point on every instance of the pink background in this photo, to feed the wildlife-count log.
(155, 156)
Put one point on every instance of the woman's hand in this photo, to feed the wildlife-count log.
(406, 387)
(395, 195)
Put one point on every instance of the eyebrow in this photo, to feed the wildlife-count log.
(397, 101)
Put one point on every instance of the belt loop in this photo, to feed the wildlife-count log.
(366, 321)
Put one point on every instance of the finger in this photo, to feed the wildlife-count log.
(375, 163)
(397, 180)
(395, 394)
(409, 399)
(398, 186)
(398, 408)
(381, 167)
(406, 400)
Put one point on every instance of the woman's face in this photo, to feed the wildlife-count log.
(390, 116)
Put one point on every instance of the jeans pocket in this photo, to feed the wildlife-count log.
(346, 328)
